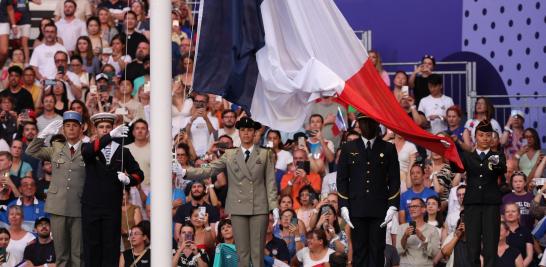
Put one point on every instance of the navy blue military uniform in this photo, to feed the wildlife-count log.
(102, 199)
(482, 202)
(368, 183)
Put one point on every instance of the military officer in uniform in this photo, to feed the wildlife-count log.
(109, 168)
(252, 191)
(63, 201)
(483, 196)
(368, 184)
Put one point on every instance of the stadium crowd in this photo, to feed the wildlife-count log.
(92, 58)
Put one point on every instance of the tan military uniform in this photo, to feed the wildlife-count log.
(252, 193)
(63, 198)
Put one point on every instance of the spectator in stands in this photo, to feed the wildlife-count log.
(455, 207)
(181, 106)
(8, 190)
(69, 78)
(107, 27)
(97, 42)
(19, 168)
(454, 247)
(4, 242)
(540, 167)
(320, 147)
(519, 237)
(116, 7)
(35, 89)
(7, 18)
(284, 158)
(328, 109)
(48, 114)
(33, 208)
(70, 27)
(408, 105)
(132, 215)
(419, 241)
(483, 110)
(185, 17)
(454, 128)
(22, 10)
(139, 254)
(19, 237)
(133, 37)
(43, 182)
(17, 58)
(83, 10)
(229, 118)
(275, 248)
(306, 199)
(178, 195)
(285, 202)
(297, 177)
(184, 212)
(225, 241)
(187, 252)
(407, 155)
(23, 99)
(140, 149)
(417, 190)
(125, 101)
(40, 251)
(186, 68)
(400, 79)
(376, 60)
(78, 68)
(200, 125)
(419, 78)
(520, 196)
(512, 137)
(528, 155)
(316, 252)
(143, 22)
(117, 58)
(329, 222)
(100, 100)
(184, 155)
(538, 205)
(84, 49)
(59, 91)
(507, 255)
(41, 35)
(291, 230)
(137, 67)
(9, 120)
(435, 104)
(186, 47)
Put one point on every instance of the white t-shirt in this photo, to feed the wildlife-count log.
(70, 32)
(303, 257)
(16, 249)
(42, 58)
(472, 123)
(436, 106)
(234, 136)
(76, 80)
(127, 59)
(283, 159)
(453, 210)
(200, 136)
(329, 184)
(403, 156)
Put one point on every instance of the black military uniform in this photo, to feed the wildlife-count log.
(482, 201)
(102, 199)
(368, 183)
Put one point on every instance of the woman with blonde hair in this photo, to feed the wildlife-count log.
(376, 60)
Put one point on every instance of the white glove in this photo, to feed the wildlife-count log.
(345, 216)
(276, 216)
(123, 178)
(120, 131)
(390, 213)
(445, 143)
(51, 129)
(178, 170)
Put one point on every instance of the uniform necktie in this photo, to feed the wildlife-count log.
(482, 155)
(368, 149)
(72, 151)
(107, 153)
(247, 155)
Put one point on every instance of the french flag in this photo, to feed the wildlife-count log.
(339, 124)
(276, 57)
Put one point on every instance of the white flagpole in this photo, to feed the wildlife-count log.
(160, 133)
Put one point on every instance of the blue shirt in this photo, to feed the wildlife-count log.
(31, 212)
(406, 197)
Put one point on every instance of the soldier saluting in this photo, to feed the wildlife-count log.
(368, 184)
(63, 201)
(483, 196)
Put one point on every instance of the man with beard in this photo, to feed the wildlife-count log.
(42, 56)
(23, 99)
(183, 213)
(41, 251)
(229, 117)
(368, 172)
(70, 27)
(137, 68)
(63, 201)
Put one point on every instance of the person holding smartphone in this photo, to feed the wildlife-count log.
(419, 241)
(187, 254)
(299, 175)
(418, 80)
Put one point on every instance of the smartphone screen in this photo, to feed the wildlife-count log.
(294, 221)
(202, 212)
(301, 141)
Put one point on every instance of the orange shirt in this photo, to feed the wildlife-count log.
(314, 180)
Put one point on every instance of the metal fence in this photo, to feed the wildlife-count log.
(459, 78)
(534, 107)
